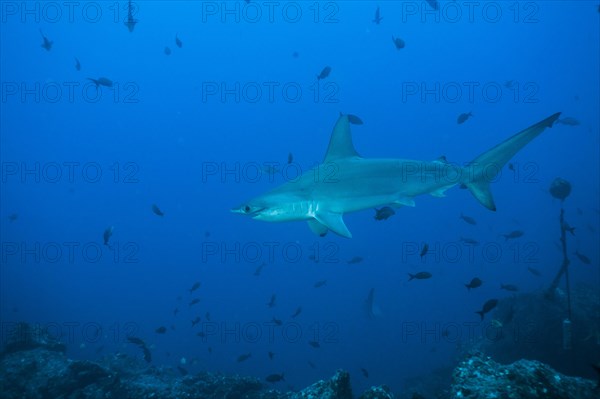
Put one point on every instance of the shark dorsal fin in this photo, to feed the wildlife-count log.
(340, 143)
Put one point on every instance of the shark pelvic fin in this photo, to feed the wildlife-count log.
(334, 222)
(317, 228)
(340, 143)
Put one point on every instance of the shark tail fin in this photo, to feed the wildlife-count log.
(482, 170)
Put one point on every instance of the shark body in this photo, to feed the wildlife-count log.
(346, 182)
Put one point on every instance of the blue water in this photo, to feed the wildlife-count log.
(186, 132)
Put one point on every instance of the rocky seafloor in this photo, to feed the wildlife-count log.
(39, 369)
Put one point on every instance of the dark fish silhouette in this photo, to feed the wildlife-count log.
(384, 213)
(355, 120)
(297, 312)
(244, 357)
(77, 64)
(107, 234)
(156, 210)
(535, 272)
(130, 22)
(195, 321)
(487, 307)
(47, 43)
(324, 73)
(195, 286)
(513, 234)
(193, 302)
(419, 276)
(320, 283)
(355, 260)
(365, 372)
(470, 241)
(161, 330)
(462, 118)
(271, 355)
(314, 344)
(583, 258)
(424, 250)
(378, 17)
(475, 282)
(167, 50)
(468, 219)
(290, 158)
(371, 310)
(509, 287)
(399, 43)
(272, 302)
(102, 82)
(178, 42)
(259, 269)
(12, 217)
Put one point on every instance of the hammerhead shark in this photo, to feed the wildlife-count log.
(346, 182)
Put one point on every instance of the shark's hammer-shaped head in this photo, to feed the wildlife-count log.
(273, 207)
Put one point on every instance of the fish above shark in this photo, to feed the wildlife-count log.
(346, 182)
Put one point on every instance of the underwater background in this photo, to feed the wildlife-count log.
(151, 135)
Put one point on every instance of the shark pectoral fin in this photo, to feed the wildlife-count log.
(317, 228)
(334, 222)
(481, 191)
(403, 201)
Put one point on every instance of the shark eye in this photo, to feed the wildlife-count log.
(246, 209)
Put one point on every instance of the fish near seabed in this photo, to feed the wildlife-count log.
(367, 183)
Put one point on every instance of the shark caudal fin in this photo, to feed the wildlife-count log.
(482, 170)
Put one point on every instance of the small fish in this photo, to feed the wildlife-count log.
(271, 303)
(509, 287)
(195, 286)
(194, 301)
(365, 372)
(324, 73)
(244, 357)
(534, 271)
(355, 260)
(201, 334)
(130, 23)
(106, 82)
(273, 378)
(583, 258)
(156, 210)
(509, 84)
(167, 50)
(354, 120)
(107, 234)
(297, 312)
(207, 316)
(384, 213)
(419, 276)
(161, 330)
(175, 311)
(195, 321)
(295, 54)
(468, 219)
(378, 17)
(47, 43)
(470, 241)
(271, 355)
(77, 64)
(462, 118)
(568, 121)
(399, 43)
(178, 41)
(276, 321)
(314, 344)
(290, 158)
(513, 234)
(511, 166)
(259, 269)
(487, 307)
(475, 282)
(424, 250)
(320, 283)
